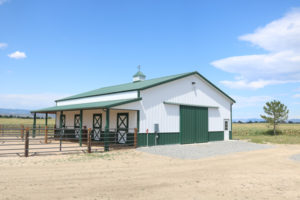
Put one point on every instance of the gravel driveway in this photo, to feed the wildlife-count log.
(203, 150)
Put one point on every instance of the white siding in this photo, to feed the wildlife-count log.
(153, 110)
(108, 97)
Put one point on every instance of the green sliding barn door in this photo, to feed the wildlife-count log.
(193, 124)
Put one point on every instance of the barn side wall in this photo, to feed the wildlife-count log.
(153, 109)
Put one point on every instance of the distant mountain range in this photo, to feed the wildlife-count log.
(18, 112)
(261, 120)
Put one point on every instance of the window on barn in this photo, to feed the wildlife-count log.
(226, 125)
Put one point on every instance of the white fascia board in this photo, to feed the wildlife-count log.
(107, 97)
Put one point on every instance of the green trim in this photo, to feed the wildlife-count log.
(138, 121)
(163, 139)
(89, 106)
(180, 125)
(141, 85)
(139, 93)
(193, 105)
(215, 136)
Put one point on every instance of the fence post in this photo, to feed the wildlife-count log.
(22, 132)
(60, 139)
(135, 138)
(46, 134)
(89, 141)
(26, 142)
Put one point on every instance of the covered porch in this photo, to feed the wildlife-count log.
(108, 126)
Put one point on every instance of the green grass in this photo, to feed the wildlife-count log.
(263, 133)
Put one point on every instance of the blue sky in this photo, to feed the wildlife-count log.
(51, 49)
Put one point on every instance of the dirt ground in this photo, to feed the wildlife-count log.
(129, 174)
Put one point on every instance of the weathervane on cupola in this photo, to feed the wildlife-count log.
(139, 76)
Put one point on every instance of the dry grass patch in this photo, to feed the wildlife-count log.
(263, 133)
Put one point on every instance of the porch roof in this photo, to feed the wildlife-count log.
(86, 106)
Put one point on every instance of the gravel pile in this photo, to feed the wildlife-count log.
(203, 150)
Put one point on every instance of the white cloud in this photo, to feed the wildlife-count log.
(281, 65)
(17, 55)
(3, 45)
(296, 95)
(252, 101)
(29, 101)
(3, 1)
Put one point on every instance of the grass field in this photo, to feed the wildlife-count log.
(18, 121)
(262, 133)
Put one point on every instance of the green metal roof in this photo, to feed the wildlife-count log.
(84, 106)
(141, 85)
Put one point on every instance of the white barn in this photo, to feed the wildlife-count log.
(183, 108)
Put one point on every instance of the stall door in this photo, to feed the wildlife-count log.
(97, 126)
(122, 127)
(77, 125)
(193, 124)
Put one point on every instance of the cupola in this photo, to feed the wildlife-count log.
(139, 76)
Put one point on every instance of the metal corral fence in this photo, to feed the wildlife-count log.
(25, 140)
